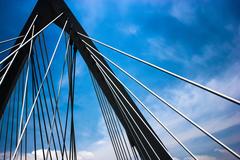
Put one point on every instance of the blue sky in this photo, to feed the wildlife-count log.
(196, 39)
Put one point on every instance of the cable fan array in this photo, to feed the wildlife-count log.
(32, 119)
(32, 126)
(101, 66)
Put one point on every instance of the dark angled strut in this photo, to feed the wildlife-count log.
(140, 134)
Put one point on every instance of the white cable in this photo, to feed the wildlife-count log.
(11, 39)
(167, 71)
(168, 104)
(54, 115)
(5, 50)
(144, 106)
(25, 85)
(16, 53)
(31, 38)
(36, 97)
(137, 115)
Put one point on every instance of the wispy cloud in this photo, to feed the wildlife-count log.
(91, 12)
(129, 29)
(158, 47)
(207, 110)
(85, 155)
(202, 157)
(81, 155)
(183, 11)
(100, 149)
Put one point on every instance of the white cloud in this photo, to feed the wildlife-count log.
(209, 111)
(92, 12)
(208, 52)
(85, 155)
(175, 158)
(206, 157)
(220, 150)
(124, 6)
(213, 125)
(81, 155)
(159, 48)
(100, 149)
(129, 29)
(183, 11)
(176, 52)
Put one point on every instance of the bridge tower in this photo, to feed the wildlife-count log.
(141, 136)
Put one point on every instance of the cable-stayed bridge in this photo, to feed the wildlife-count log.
(30, 94)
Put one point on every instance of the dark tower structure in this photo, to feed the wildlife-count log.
(138, 133)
